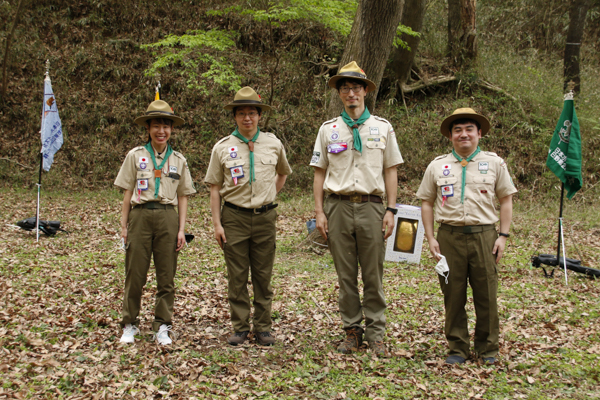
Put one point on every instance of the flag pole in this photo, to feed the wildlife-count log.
(39, 184)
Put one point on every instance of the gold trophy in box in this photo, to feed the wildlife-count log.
(406, 234)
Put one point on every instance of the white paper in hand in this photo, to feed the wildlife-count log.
(442, 268)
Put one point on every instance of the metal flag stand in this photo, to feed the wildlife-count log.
(551, 260)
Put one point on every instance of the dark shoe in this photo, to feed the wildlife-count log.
(379, 349)
(264, 338)
(237, 338)
(455, 360)
(488, 360)
(354, 338)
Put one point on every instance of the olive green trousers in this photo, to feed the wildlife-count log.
(470, 259)
(150, 233)
(355, 238)
(250, 248)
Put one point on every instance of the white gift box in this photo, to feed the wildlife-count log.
(406, 241)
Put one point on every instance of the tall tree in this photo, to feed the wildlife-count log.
(7, 50)
(462, 33)
(403, 58)
(577, 14)
(369, 44)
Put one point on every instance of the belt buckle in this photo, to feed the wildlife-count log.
(356, 198)
(258, 210)
(467, 229)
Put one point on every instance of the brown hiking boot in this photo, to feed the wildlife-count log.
(264, 338)
(352, 342)
(237, 338)
(378, 348)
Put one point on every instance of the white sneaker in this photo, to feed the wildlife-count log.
(162, 336)
(128, 333)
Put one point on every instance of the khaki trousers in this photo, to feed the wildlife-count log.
(355, 238)
(250, 248)
(470, 257)
(150, 233)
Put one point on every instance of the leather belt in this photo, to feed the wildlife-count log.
(155, 205)
(467, 228)
(357, 198)
(259, 210)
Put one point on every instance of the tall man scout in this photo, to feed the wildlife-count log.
(247, 169)
(156, 179)
(462, 185)
(355, 158)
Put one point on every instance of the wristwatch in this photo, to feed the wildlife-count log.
(392, 210)
(506, 235)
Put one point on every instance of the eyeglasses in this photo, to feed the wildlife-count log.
(251, 114)
(346, 89)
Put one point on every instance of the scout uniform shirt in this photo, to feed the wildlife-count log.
(349, 171)
(487, 175)
(229, 168)
(137, 175)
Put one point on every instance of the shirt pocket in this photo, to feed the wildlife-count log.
(265, 168)
(375, 151)
(447, 186)
(484, 186)
(230, 165)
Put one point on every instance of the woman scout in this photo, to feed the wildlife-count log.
(156, 179)
(247, 169)
(461, 186)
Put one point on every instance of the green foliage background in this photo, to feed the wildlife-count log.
(107, 56)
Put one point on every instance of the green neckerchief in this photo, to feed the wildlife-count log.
(464, 171)
(238, 135)
(150, 149)
(354, 125)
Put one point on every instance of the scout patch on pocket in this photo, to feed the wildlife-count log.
(142, 184)
(447, 190)
(335, 148)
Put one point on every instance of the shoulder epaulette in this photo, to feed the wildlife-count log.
(440, 157)
(330, 121)
(136, 149)
(222, 140)
(271, 135)
(178, 154)
(490, 153)
(381, 119)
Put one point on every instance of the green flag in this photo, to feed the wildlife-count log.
(564, 155)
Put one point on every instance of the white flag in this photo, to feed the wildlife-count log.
(52, 136)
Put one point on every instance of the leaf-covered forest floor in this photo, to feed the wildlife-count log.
(60, 302)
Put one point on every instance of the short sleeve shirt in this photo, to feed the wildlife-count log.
(487, 176)
(229, 168)
(137, 175)
(349, 171)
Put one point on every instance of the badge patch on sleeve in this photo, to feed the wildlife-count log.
(316, 157)
(142, 184)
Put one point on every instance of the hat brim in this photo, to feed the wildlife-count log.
(247, 103)
(142, 120)
(483, 123)
(333, 80)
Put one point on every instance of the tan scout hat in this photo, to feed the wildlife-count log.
(159, 109)
(246, 96)
(465, 113)
(351, 71)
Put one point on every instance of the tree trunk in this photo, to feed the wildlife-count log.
(369, 44)
(402, 59)
(7, 51)
(462, 33)
(577, 14)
